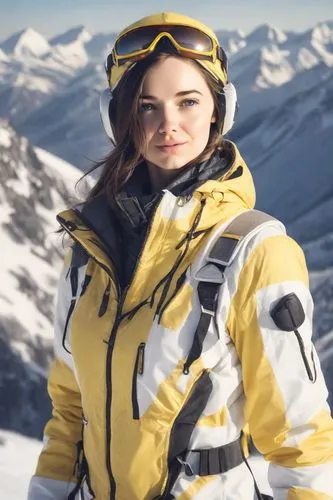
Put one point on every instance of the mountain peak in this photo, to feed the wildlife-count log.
(266, 33)
(27, 42)
(323, 32)
(76, 34)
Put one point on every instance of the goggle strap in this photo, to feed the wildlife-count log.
(222, 56)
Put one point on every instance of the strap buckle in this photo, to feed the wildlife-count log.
(188, 469)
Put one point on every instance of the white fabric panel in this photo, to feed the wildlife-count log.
(236, 484)
(318, 478)
(284, 355)
(41, 488)
(170, 209)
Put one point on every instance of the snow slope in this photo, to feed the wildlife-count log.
(34, 186)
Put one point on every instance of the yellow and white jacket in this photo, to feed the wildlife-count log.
(118, 374)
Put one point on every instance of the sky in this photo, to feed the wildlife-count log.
(51, 17)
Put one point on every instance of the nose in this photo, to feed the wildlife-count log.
(168, 121)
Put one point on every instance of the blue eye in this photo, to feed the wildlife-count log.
(146, 106)
(188, 103)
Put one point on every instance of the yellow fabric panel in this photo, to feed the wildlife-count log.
(231, 236)
(310, 450)
(218, 419)
(276, 259)
(245, 440)
(89, 347)
(195, 487)
(304, 494)
(264, 408)
(179, 308)
(88, 239)
(136, 441)
(64, 428)
(139, 440)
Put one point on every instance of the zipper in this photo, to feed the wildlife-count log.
(105, 300)
(138, 370)
(312, 376)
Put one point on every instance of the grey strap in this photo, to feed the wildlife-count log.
(240, 227)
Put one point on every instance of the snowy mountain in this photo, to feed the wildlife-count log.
(26, 43)
(75, 129)
(76, 34)
(99, 46)
(231, 40)
(32, 71)
(69, 47)
(34, 186)
(270, 58)
(293, 139)
(266, 33)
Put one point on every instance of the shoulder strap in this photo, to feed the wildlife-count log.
(211, 276)
(238, 229)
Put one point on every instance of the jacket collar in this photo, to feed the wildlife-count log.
(225, 193)
(135, 203)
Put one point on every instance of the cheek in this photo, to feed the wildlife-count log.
(198, 128)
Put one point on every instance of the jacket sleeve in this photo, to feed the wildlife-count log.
(54, 476)
(285, 392)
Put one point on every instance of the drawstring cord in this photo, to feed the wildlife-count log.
(181, 257)
(167, 279)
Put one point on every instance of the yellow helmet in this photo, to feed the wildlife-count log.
(213, 60)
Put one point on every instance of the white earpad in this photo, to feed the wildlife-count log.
(230, 96)
(104, 109)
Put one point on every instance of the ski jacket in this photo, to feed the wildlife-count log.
(122, 400)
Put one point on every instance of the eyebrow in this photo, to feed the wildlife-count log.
(179, 94)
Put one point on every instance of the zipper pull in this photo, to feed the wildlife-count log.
(85, 284)
(141, 358)
(105, 300)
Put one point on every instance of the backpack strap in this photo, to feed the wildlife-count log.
(211, 276)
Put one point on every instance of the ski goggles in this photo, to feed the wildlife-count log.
(140, 42)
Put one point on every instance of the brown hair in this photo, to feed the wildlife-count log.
(120, 163)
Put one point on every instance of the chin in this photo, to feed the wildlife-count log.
(172, 163)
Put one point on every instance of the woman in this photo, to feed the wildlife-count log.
(182, 315)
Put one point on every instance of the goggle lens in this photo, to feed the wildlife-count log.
(141, 38)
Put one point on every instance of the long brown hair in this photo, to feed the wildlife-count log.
(119, 164)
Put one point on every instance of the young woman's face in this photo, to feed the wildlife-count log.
(176, 109)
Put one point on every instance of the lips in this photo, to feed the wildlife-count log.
(170, 145)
